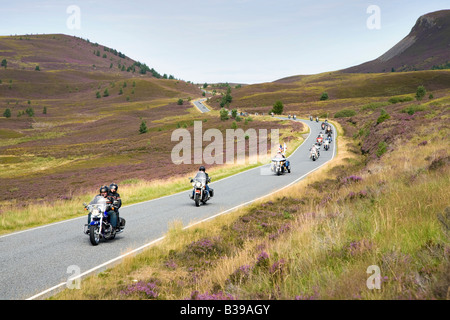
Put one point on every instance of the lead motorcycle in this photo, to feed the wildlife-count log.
(199, 192)
(280, 166)
(99, 226)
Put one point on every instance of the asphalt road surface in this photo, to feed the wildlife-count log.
(200, 106)
(37, 262)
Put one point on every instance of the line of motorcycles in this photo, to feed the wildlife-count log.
(99, 226)
(321, 140)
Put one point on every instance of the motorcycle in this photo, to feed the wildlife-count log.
(313, 155)
(310, 118)
(280, 166)
(294, 117)
(323, 126)
(317, 119)
(199, 192)
(326, 145)
(99, 227)
(319, 141)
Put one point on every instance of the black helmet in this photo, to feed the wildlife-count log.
(202, 168)
(104, 189)
(113, 187)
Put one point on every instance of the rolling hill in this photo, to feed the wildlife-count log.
(74, 122)
(427, 46)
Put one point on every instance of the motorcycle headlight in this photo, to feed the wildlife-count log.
(96, 213)
(198, 185)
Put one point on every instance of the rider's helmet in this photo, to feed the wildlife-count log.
(113, 187)
(202, 168)
(104, 191)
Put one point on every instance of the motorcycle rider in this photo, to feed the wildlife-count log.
(280, 155)
(113, 187)
(315, 150)
(208, 180)
(104, 192)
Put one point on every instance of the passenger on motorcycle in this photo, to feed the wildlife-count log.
(113, 187)
(315, 150)
(104, 192)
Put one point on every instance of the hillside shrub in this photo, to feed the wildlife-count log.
(30, 112)
(383, 116)
(226, 99)
(374, 105)
(278, 107)
(395, 100)
(223, 114)
(143, 128)
(413, 109)
(421, 92)
(7, 113)
(382, 148)
(324, 96)
(345, 113)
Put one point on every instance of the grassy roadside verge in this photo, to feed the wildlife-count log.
(132, 191)
(315, 240)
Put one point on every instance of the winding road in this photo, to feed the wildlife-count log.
(200, 106)
(35, 263)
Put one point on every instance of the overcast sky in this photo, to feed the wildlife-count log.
(243, 41)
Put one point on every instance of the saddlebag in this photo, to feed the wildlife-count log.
(211, 192)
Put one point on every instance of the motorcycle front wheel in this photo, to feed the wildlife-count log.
(197, 200)
(94, 235)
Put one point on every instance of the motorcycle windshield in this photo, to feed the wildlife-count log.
(200, 177)
(99, 203)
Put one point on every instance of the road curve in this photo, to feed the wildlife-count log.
(37, 262)
(200, 106)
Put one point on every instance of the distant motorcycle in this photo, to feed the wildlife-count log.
(199, 192)
(319, 140)
(99, 226)
(313, 155)
(326, 144)
(310, 118)
(280, 166)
